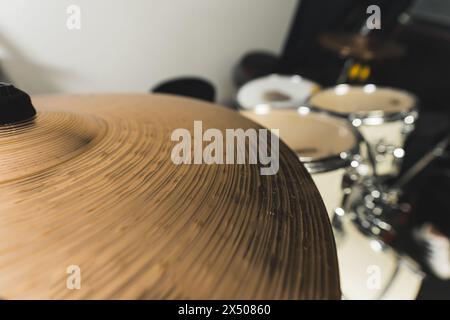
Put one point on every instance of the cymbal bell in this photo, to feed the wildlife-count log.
(89, 182)
(366, 48)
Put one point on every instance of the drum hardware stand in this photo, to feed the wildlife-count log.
(377, 200)
(371, 210)
(369, 203)
(373, 181)
(356, 122)
(437, 152)
(351, 178)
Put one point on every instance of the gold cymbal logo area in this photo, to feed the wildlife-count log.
(235, 146)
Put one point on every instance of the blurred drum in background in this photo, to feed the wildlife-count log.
(327, 146)
(278, 91)
(384, 116)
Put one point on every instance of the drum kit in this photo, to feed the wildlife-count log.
(351, 140)
(87, 181)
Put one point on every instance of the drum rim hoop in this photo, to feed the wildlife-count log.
(279, 104)
(372, 117)
(333, 162)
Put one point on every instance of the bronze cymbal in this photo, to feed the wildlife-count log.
(366, 48)
(90, 183)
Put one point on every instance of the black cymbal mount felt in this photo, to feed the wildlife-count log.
(15, 105)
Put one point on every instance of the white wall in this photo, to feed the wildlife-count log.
(130, 45)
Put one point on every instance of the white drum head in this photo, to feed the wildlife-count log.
(313, 136)
(278, 91)
(368, 100)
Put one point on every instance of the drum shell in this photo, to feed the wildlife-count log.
(329, 184)
(364, 261)
(386, 127)
(391, 134)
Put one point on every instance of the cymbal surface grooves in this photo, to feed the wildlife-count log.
(91, 183)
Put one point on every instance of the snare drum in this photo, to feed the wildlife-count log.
(278, 91)
(325, 145)
(384, 116)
